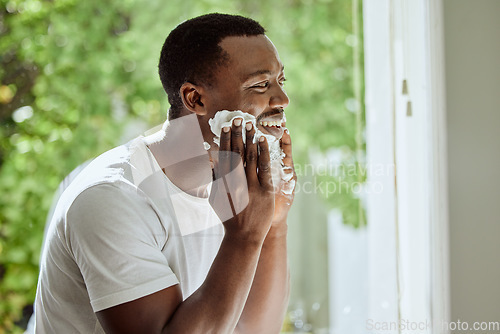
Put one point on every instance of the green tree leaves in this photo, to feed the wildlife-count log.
(88, 71)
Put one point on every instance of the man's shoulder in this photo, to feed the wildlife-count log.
(111, 177)
(115, 166)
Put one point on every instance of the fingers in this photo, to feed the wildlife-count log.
(286, 146)
(232, 152)
(225, 139)
(237, 145)
(232, 149)
(223, 166)
(264, 163)
(251, 154)
(288, 167)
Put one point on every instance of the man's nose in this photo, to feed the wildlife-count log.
(278, 99)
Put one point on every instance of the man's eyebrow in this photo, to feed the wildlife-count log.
(260, 72)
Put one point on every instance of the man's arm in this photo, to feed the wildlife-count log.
(268, 300)
(214, 308)
(217, 305)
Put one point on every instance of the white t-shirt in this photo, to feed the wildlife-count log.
(120, 231)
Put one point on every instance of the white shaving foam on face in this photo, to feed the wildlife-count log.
(225, 118)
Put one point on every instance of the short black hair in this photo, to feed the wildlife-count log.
(191, 52)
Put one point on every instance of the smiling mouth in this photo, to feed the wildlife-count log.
(272, 124)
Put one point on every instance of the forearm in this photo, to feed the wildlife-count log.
(217, 305)
(268, 299)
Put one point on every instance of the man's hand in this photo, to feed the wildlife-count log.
(246, 184)
(268, 299)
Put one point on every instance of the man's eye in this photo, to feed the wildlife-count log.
(282, 81)
(261, 85)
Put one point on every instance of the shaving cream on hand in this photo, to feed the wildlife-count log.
(225, 118)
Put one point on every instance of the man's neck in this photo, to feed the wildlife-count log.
(180, 153)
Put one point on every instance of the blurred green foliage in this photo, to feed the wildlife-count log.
(84, 71)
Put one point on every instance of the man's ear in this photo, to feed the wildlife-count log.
(192, 97)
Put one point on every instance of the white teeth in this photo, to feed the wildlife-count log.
(270, 123)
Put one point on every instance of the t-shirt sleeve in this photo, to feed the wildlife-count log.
(116, 238)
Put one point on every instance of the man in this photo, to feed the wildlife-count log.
(165, 234)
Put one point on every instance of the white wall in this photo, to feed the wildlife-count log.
(472, 54)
